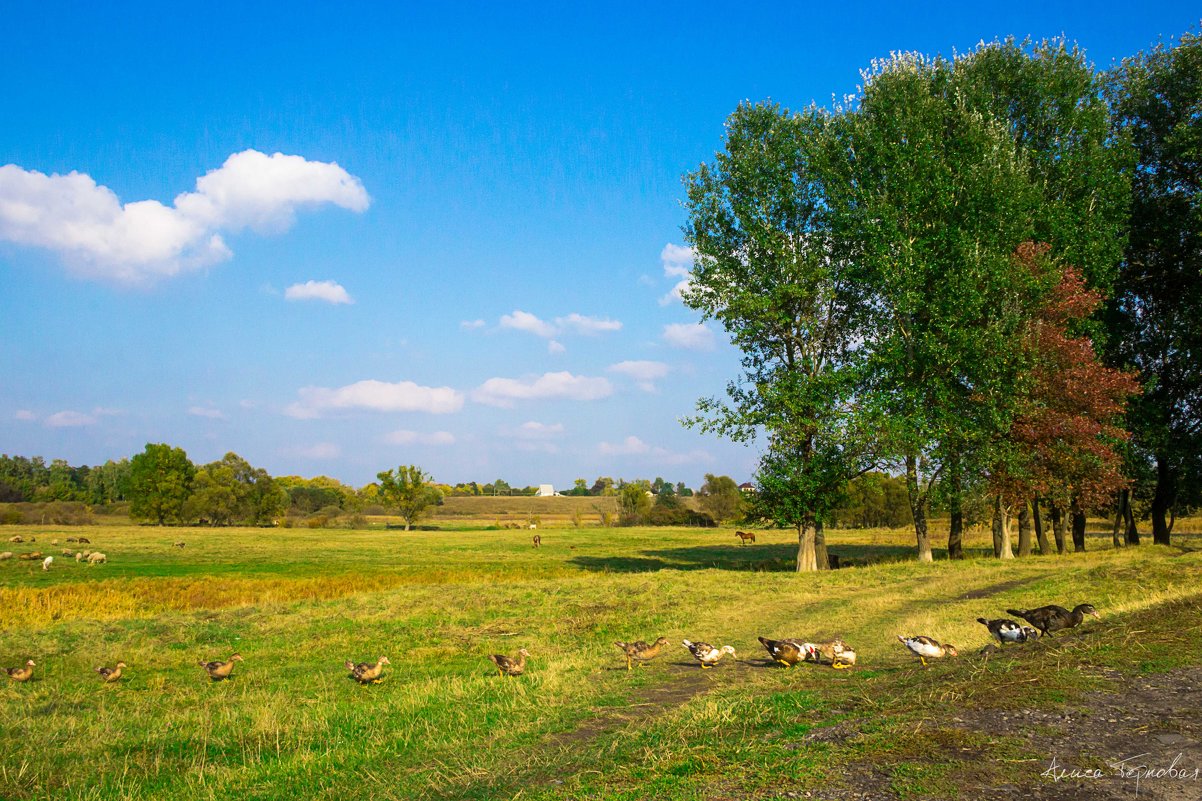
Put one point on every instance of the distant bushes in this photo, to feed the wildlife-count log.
(59, 513)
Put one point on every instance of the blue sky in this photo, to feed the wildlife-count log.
(335, 239)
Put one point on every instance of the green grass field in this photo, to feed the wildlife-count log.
(298, 603)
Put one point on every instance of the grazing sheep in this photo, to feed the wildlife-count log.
(17, 538)
(68, 552)
(84, 541)
(179, 544)
(31, 556)
(47, 562)
(79, 556)
(54, 542)
(4, 557)
(96, 558)
(71, 539)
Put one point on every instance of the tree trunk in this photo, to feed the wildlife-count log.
(1001, 530)
(806, 560)
(918, 508)
(1163, 501)
(1057, 526)
(820, 555)
(1078, 526)
(1024, 529)
(1041, 536)
(955, 534)
(997, 526)
(1115, 539)
(1132, 531)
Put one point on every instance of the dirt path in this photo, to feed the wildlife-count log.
(1143, 741)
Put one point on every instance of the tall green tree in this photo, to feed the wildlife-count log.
(1156, 311)
(407, 489)
(160, 481)
(768, 268)
(720, 498)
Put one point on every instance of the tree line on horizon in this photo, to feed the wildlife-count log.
(982, 274)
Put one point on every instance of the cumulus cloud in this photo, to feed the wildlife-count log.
(69, 419)
(99, 237)
(207, 412)
(555, 347)
(631, 446)
(378, 396)
(689, 336)
(533, 430)
(328, 291)
(549, 386)
(569, 324)
(25, 414)
(678, 263)
(317, 451)
(404, 437)
(471, 325)
(644, 373)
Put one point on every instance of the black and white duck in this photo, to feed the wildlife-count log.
(640, 651)
(926, 648)
(707, 654)
(1055, 618)
(1007, 630)
(788, 652)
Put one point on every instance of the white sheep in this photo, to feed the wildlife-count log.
(96, 558)
(6, 556)
(79, 556)
(47, 562)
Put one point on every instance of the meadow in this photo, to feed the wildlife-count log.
(298, 603)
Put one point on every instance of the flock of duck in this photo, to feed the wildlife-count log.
(1043, 622)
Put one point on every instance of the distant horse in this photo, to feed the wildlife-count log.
(744, 536)
(538, 541)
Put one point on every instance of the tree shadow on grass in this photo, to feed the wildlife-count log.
(767, 558)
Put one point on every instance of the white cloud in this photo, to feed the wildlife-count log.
(644, 373)
(378, 396)
(319, 451)
(328, 291)
(569, 324)
(69, 419)
(630, 446)
(678, 263)
(420, 438)
(471, 325)
(25, 414)
(580, 324)
(555, 347)
(559, 386)
(206, 411)
(525, 321)
(535, 430)
(99, 237)
(689, 336)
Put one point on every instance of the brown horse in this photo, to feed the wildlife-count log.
(744, 536)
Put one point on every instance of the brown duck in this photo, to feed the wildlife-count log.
(640, 651)
(366, 672)
(511, 665)
(220, 670)
(21, 674)
(1055, 618)
(788, 652)
(110, 674)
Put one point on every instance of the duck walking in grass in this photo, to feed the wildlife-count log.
(110, 674)
(511, 665)
(21, 673)
(836, 653)
(787, 652)
(1055, 618)
(707, 654)
(640, 651)
(218, 671)
(366, 672)
(1007, 630)
(925, 648)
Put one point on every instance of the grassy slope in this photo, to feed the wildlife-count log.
(296, 604)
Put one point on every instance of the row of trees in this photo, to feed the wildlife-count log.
(963, 276)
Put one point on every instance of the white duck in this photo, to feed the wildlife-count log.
(925, 648)
(707, 654)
